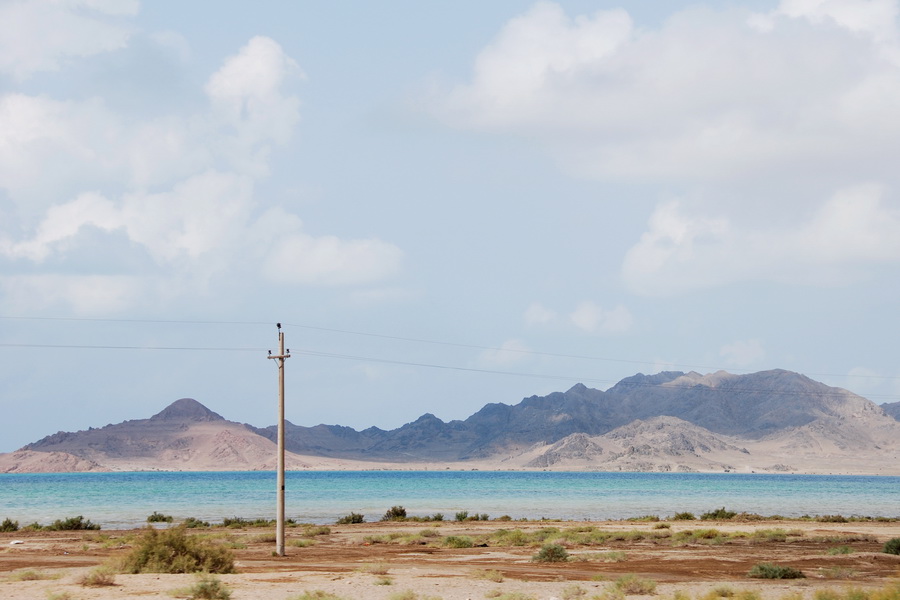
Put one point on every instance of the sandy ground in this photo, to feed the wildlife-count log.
(345, 563)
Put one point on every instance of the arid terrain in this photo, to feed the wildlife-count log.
(410, 560)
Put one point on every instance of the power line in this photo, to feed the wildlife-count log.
(381, 336)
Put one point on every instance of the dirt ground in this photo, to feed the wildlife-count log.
(411, 560)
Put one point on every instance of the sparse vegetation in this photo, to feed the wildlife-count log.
(351, 519)
(719, 514)
(551, 553)
(102, 576)
(317, 595)
(194, 523)
(684, 516)
(488, 574)
(157, 517)
(31, 575)
(9, 525)
(498, 595)
(839, 550)
(573, 592)
(770, 571)
(892, 546)
(632, 584)
(208, 587)
(72, 524)
(458, 541)
(173, 551)
(59, 596)
(395, 513)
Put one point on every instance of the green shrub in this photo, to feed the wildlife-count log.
(462, 515)
(394, 513)
(551, 553)
(209, 588)
(831, 519)
(839, 550)
(770, 571)
(194, 523)
(352, 518)
(892, 546)
(684, 516)
(160, 518)
(72, 524)
(458, 541)
(437, 517)
(720, 514)
(8, 526)
(173, 551)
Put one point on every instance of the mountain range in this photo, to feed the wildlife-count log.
(771, 421)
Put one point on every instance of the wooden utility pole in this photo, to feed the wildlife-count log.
(279, 517)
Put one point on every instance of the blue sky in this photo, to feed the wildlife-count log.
(446, 203)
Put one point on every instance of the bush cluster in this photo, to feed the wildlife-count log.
(719, 514)
(9, 525)
(551, 553)
(892, 546)
(770, 571)
(173, 551)
(351, 519)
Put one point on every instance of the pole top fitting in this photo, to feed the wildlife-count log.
(278, 325)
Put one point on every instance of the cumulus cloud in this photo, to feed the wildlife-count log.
(709, 93)
(683, 251)
(180, 190)
(592, 318)
(41, 35)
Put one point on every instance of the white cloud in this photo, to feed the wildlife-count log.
(41, 35)
(539, 315)
(743, 353)
(593, 318)
(708, 94)
(179, 191)
(509, 353)
(682, 252)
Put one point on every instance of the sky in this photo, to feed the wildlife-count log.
(445, 204)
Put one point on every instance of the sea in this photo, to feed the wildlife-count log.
(125, 500)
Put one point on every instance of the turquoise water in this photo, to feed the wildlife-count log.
(123, 500)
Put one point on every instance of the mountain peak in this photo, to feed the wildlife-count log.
(186, 409)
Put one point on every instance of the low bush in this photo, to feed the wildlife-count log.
(437, 517)
(9, 525)
(173, 551)
(892, 546)
(684, 516)
(209, 588)
(831, 519)
(770, 571)
(351, 519)
(839, 550)
(194, 523)
(720, 514)
(72, 524)
(99, 577)
(551, 553)
(632, 584)
(160, 518)
(458, 541)
(394, 513)
(462, 515)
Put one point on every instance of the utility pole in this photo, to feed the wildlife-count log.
(279, 510)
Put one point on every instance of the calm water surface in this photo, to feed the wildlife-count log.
(125, 499)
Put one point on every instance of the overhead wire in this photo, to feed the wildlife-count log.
(376, 359)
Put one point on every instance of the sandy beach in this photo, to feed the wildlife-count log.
(409, 560)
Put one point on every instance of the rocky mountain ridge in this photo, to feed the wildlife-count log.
(771, 421)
